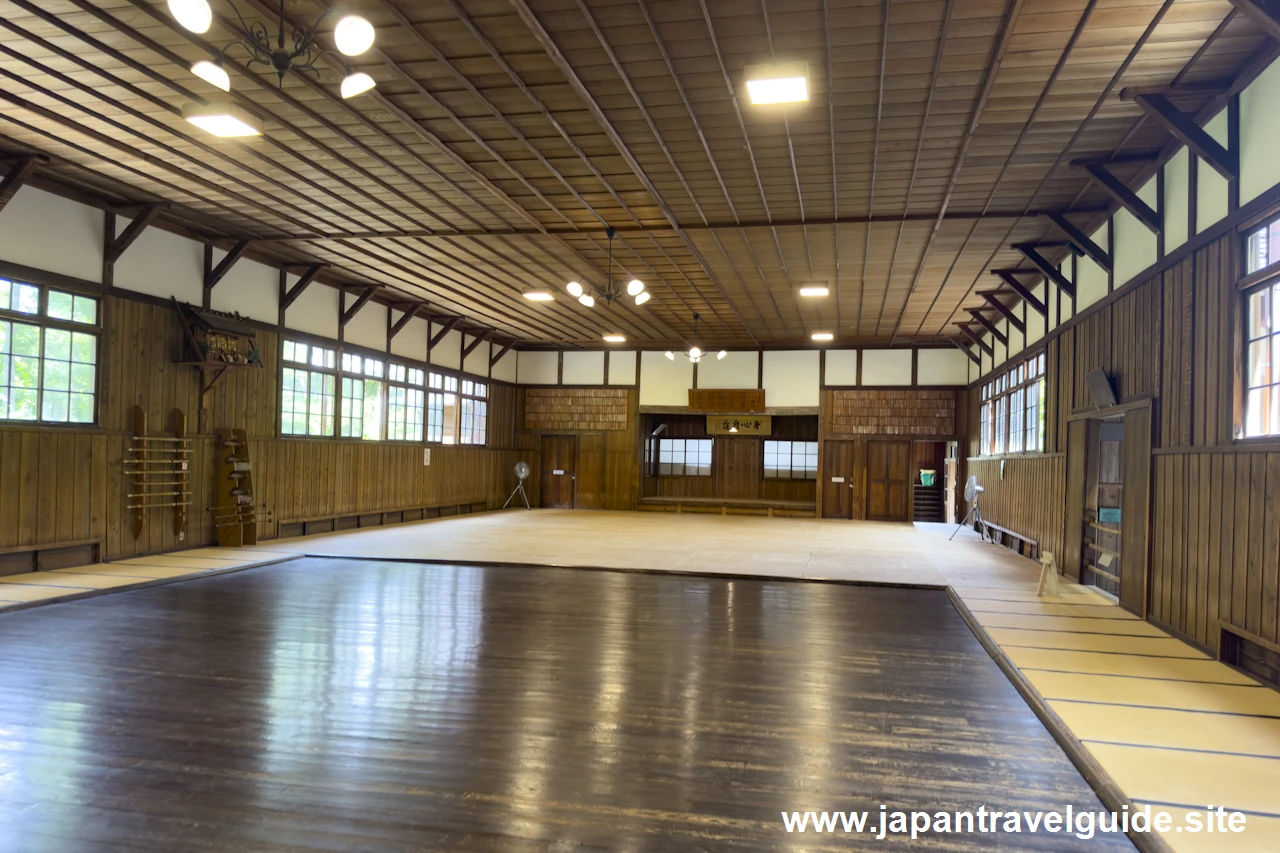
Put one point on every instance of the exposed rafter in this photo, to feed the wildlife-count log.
(1264, 13)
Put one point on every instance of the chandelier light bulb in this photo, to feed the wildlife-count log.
(695, 359)
(642, 297)
(353, 34)
(670, 355)
(194, 15)
(721, 354)
(635, 287)
(587, 300)
(356, 84)
(213, 74)
(574, 288)
(695, 353)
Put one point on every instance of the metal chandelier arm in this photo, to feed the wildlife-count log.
(308, 38)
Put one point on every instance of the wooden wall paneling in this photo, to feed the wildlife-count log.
(1137, 506)
(1073, 504)
(1269, 617)
(591, 467)
(1208, 615)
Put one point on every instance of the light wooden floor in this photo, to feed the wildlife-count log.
(1173, 727)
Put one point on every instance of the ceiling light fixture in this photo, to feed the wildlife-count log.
(823, 336)
(814, 290)
(694, 353)
(537, 294)
(353, 36)
(615, 339)
(611, 290)
(222, 119)
(721, 354)
(781, 83)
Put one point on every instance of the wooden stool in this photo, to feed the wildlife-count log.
(1048, 576)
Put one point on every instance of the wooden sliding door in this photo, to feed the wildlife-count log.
(838, 479)
(888, 480)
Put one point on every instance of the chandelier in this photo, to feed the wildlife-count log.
(695, 353)
(611, 290)
(353, 36)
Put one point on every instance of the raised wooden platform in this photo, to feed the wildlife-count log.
(730, 506)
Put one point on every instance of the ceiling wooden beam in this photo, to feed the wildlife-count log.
(218, 273)
(1051, 272)
(410, 311)
(1184, 128)
(1124, 196)
(300, 285)
(991, 327)
(475, 343)
(496, 357)
(977, 339)
(18, 175)
(444, 330)
(1082, 242)
(1264, 13)
(1009, 278)
(964, 348)
(1014, 319)
(120, 244)
(361, 301)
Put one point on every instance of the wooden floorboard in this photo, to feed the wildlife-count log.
(323, 704)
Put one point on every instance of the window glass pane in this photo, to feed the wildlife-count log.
(85, 311)
(60, 305)
(1260, 313)
(1260, 362)
(6, 292)
(25, 299)
(1256, 411)
(374, 408)
(450, 424)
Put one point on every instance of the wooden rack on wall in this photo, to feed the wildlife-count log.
(235, 515)
(160, 467)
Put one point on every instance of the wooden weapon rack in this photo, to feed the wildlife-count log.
(235, 515)
(217, 342)
(160, 466)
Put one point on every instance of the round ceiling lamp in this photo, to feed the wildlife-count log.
(695, 353)
(611, 290)
(353, 36)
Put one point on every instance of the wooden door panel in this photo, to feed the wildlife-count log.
(888, 486)
(837, 479)
(1136, 517)
(559, 454)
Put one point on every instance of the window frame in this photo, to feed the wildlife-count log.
(791, 469)
(1250, 283)
(1005, 400)
(656, 456)
(310, 341)
(43, 321)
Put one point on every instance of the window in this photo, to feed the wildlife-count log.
(1262, 377)
(791, 460)
(442, 408)
(406, 402)
(364, 397)
(1012, 415)
(684, 457)
(307, 392)
(48, 354)
(474, 412)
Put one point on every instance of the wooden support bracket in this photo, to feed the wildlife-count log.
(1049, 271)
(410, 312)
(471, 347)
(361, 301)
(964, 348)
(1000, 336)
(1014, 319)
(977, 339)
(1009, 277)
(1080, 241)
(496, 357)
(19, 173)
(1124, 196)
(1184, 128)
(300, 285)
(219, 272)
(1264, 13)
(444, 330)
(118, 245)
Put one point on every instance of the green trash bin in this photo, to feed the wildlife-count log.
(927, 477)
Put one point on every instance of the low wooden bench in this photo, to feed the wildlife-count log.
(730, 506)
(330, 523)
(1024, 545)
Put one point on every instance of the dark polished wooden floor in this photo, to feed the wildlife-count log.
(360, 706)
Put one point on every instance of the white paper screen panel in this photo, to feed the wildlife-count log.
(48, 232)
(886, 367)
(583, 368)
(664, 382)
(622, 368)
(791, 378)
(735, 370)
(538, 368)
(842, 367)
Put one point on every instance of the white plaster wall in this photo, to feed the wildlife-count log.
(538, 367)
(791, 378)
(1035, 321)
(584, 368)
(1016, 342)
(162, 264)
(1091, 279)
(1259, 132)
(369, 327)
(448, 353)
(411, 342)
(505, 369)
(842, 367)
(1212, 187)
(250, 288)
(48, 232)
(663, 382)
(886, 367)
(477, 363)
(622, 367)
(1002, 352)
(1177, 195)
(942, 367)
(735, 370)
(315, 311)
(1135, 243)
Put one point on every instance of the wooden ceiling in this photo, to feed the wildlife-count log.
(505, 135)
